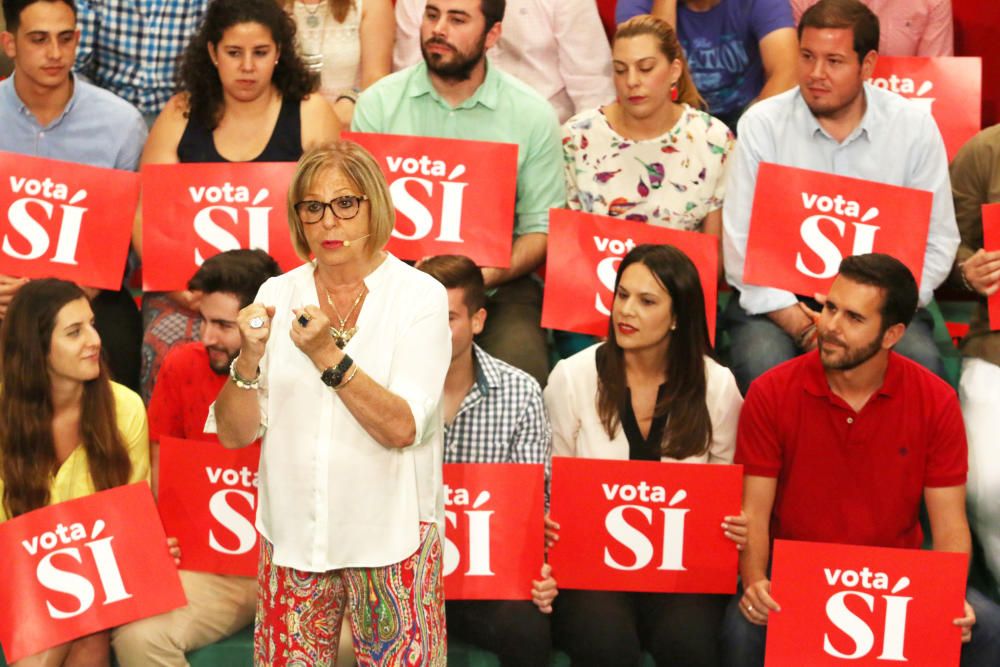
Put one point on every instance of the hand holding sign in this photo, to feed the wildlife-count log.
(544, 590)
(757, 604)
(982, 271)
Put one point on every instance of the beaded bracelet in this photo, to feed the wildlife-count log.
(242, 382)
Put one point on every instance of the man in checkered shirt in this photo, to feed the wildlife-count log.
(132, 48)
(493, 413)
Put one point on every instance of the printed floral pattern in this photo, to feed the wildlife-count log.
(673, 181)
(397, 611)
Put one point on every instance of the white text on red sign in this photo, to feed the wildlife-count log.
(858, 629)
(634, 538)
(414, 209)
(67, 581)
(226, 514)
(478, 522)
(22, 218)
(834, 210)
(228, 200)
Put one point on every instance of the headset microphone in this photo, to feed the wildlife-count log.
(347, 244)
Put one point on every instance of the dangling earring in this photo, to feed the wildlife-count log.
(674, 92)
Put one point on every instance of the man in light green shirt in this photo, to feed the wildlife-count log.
(454, 94)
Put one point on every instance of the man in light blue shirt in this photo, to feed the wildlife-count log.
(833, 122)
(454, 94)
(47, 112)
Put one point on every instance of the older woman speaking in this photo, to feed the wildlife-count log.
(346, 395)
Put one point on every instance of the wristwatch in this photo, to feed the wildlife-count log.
(334, 375)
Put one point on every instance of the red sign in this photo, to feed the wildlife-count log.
(82, 566)
(191, 212)
(865, 606)
(644, 526)
(803, 223)
(583, 257)
(494, 538)
(451, 196)
(950, 89)
(991, 241)
(65, 220)
(208, 501)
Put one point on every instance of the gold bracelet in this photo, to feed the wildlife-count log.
(349, 378)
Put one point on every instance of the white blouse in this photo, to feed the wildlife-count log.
(336, 44)
(329, 495)
(571, 400)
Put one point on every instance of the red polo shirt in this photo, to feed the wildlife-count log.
(185, 387)
(851, 477)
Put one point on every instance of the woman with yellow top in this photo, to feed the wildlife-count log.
(66, 430)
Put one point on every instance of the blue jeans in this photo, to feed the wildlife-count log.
(743, 642)
(756, 344)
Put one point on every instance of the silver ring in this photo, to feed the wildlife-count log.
(749, 608)
(257, 322)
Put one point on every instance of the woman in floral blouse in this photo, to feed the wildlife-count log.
(653, 155)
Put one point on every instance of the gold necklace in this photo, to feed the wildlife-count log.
(341, 335)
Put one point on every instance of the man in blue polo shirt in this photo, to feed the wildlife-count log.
(47, 112)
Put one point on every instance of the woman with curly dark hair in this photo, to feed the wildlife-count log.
(244, 95)
(241, 73)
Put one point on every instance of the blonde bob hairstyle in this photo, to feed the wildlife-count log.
(360, 168)
(670, 46)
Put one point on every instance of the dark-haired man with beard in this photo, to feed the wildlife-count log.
(189, 380)
(842, 444)
(454, 93)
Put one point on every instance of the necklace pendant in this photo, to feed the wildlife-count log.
(312, 21)
(342, 337)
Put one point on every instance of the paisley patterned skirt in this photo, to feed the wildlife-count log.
(396, 612)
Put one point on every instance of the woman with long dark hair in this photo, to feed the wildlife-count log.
(66, 430)
(244, 95)
(650, 392)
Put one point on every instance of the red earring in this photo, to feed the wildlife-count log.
(674, 92)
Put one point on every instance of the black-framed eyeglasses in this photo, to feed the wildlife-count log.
(344, 207)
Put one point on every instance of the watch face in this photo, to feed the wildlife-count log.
(332, 377)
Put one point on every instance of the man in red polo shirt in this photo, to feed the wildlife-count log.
(841, 445)
(188, 382)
